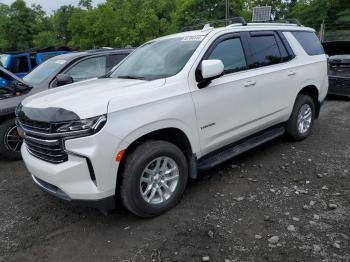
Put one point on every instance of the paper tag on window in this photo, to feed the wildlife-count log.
(61, 62)
(193, 38)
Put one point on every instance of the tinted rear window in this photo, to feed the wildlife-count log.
(265, 51)
(309, 42)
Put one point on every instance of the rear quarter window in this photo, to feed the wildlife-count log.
(310, 43)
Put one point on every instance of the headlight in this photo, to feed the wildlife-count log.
(88, 126)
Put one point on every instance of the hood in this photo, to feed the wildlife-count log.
(11, 85)
(340, 59)
(89, 98)
(7, 74)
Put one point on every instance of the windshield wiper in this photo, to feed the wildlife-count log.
(16, 88)
(24, 86)
(132, 77)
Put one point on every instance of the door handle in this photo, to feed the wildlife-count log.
(249, 83)
(292, 73)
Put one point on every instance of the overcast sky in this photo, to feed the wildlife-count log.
(50, 5)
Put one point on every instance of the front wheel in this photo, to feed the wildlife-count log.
(10, 141)
(154, 178)
(301, 122)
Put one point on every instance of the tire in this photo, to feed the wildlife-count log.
(8, 127)
(293, 130)
(147, 155)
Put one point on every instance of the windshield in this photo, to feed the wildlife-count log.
(44, 70)
(158, 59)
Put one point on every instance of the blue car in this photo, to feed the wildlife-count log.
(21, 63)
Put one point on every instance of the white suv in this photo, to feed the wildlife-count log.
(177, 105)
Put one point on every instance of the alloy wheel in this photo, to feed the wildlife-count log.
(159, 180)
(304, 119)
(12, 139)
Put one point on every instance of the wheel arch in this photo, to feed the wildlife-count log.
(173, 135)
(312, 91)
(6, 117)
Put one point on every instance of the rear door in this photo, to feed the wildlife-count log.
(274, 73)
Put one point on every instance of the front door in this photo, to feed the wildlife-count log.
(229, 107)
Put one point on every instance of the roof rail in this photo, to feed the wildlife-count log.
(288, 21)
(104, 49)
(207, 25)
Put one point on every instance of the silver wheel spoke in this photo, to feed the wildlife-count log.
(158, 162)
(153, 193)
(170, 178)
(146, 180)
(160, 193)
(164, 164)
(149, 171)
(166, 187)
(169, 171)
(148, 189)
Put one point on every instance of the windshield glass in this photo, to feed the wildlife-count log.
(158, 59)
(43, 71)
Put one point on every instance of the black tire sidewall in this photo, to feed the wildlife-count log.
(139, 160)
(6, 152)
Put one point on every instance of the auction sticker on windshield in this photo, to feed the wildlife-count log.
(60, 62)
(193, 38)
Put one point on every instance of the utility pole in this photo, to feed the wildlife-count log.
(227, 9)
(322, 31)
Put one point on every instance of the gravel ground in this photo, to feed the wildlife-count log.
(280, 202)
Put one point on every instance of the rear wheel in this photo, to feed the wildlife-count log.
(154, 178)
(302, 119)
(10, 141)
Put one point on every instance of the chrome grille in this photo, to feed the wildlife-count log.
(41, 142)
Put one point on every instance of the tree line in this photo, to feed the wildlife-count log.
(119, 23)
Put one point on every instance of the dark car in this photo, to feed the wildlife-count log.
(339, 67)
(57, 71)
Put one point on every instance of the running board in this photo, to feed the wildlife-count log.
(212, 160)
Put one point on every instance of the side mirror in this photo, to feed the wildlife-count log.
(212, 69)
(63, 79)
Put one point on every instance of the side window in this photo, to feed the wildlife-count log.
(264, 50)
(309, 42)
(33, 61)
(89, 68)
(113, 60)
(230, 52)
(19, 65)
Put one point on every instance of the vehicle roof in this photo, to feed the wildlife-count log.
(75, 55)
(239, 28)
(48, 49)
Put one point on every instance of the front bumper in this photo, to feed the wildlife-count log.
(339, 86)
(72, 180)
(107, 203)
